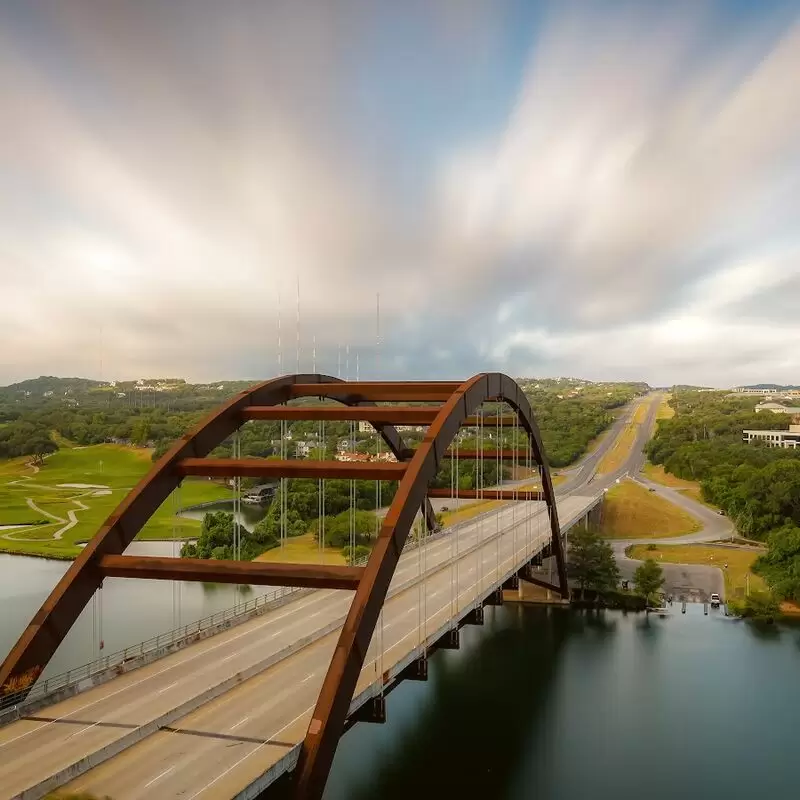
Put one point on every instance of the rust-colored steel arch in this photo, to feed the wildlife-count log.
(330, 713)
(102, 557)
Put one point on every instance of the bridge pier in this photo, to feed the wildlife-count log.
(374, 710)
(495, 598)
(475, 617)
(450, 641)
(417, 670)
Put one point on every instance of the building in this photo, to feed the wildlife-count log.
(777, 408)
(302, 449)
(789, 438)
(260, 495)
(365, 426)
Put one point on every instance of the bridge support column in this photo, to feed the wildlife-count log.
(512, 584)
(374, 710)
(450, 641)
(417, 670)
(495, 598)
(475, 617)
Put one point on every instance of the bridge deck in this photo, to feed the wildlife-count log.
(193, 724)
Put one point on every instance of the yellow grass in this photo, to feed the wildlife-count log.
(620, 450)
(739, 562)
(482, 506)
(470, 511)
(641, 412)
(657, 473)
(665, 411)
(632, 512)
(302, 550)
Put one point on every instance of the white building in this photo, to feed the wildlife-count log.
(790, 438)
(777, 408)
(302, 449)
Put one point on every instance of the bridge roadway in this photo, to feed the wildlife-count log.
(193, 739)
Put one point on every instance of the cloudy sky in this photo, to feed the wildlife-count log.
(606, 190)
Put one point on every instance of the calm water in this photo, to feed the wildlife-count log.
(565, 706)
(132, 611)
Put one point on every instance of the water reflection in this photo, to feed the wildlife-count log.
(465, 732)
(596, 704)
(249, 515)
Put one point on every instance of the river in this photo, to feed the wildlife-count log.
(132, 611)
(562, 705)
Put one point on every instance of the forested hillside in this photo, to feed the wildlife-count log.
(570, 414)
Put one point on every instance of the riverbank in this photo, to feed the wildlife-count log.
(64, 502)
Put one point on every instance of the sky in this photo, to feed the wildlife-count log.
(602, 190)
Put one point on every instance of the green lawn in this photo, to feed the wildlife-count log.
(112, 466)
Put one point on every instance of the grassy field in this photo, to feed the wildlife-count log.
(739, 562)
(665, 411)
(619, 451)
(73, 514)
(656, 473)
(622, 447)
(303, 550)
(632, 512)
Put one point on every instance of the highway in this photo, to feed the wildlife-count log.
(273, 707)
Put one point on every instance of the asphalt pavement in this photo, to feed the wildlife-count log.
(694, 581)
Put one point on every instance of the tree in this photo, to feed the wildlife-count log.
(216, 539)
(359, 554)
(41, 446)
(649, 578)
(780, 565)
(591, 561)
(761, 606)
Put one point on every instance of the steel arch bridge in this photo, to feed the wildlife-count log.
(443, 406)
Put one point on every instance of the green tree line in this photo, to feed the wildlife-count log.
(757, 486)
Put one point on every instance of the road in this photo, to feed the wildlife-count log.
(217, 746)
(690, 580)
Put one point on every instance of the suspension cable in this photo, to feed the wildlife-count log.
(453, 533)
(378, 501)
(499, 480)
(481, 475)
(282, 492)
(237, 500)
(352, 498)
(320, 490)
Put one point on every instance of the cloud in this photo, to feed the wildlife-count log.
(622, 207)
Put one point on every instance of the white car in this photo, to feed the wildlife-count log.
(714, 600)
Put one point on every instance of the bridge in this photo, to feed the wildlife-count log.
(268, 700)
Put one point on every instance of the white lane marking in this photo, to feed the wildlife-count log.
(158, 777)
(180, 663)
(263, 744)
(167, 688)
(307, 678)
(240, 722)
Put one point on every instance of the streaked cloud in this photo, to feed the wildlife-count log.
(608, 192)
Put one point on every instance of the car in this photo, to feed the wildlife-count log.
(714, 600)
(652, 489)
(721, 513)
(445, 508)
